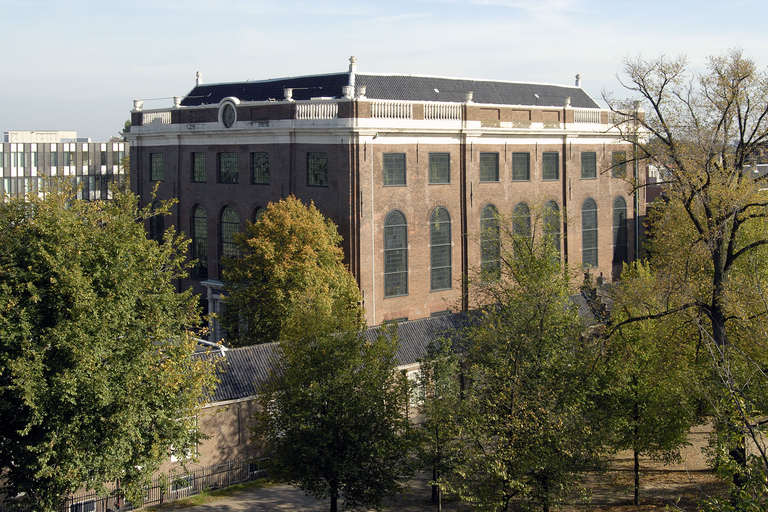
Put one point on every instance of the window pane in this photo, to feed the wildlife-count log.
(490, 245)
(260, 168)
(198, 167)
(552, 227)
(489, 167)
(394, 169)
(521, 166)
(440, 249)
(550, 166)
(619, 164)
(620, 230)
(230, 224)
(588, 164)
(156, 165)
(395, 255)
(439, 168)
(317, 169)
(589, 233)
(228, 168)
(200, 242)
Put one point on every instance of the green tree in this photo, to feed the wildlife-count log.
(439, 395)
(708, 237)
(97, 383)
(333, 420)
(526, 421)
(292, 250)
(652, 397)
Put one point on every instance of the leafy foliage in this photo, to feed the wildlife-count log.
(652, 396)
(290, 252)
(709, 235)
(333, 419)
(96, 379)
(526, 422)
(439, 394)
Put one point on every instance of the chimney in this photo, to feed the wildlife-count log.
(352, 71)
(578, 80)
(199, 78)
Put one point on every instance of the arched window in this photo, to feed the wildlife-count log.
(200, 242)
(619, 230)
(490, 244)
(258, 212)
(521, 226)
(552, 227)
(230, 224)
(589, 233)
(395, 254)
(440, 249)
(156, 224)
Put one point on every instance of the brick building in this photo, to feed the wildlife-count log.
(411, 169)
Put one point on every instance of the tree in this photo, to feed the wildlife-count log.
(704, 133)
(97, 383)
(290, 251)
(526, 419)
(333, 420)
(652, 397)
(439, 396)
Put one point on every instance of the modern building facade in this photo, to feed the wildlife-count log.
(29, 158)
(412, 169)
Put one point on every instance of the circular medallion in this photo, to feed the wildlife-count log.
(228, 115)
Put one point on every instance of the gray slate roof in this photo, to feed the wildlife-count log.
(242, 369)
(394, 87)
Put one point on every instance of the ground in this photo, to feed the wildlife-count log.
(679, 486)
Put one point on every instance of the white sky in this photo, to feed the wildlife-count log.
(78, 64)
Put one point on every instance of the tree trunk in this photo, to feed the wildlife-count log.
(636, 428)
(637, 478)
(435, 488)
(334, 498)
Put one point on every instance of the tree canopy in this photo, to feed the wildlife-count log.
(708, 237)
(525, 425)
(333, 420)
(97, 383)
(290, 252)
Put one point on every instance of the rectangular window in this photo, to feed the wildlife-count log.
(156, 166)
(183, 483)
(394, 169)
(619, 164)
(439, 168)
(228, 168)
(198, 167)
(521, 166)
(588, 165)
(489, 167)
(260, 168)
(550, 169)
(317, 169)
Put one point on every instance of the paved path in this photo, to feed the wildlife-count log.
(277, 498)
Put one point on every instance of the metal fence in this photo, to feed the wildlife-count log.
(169, 487)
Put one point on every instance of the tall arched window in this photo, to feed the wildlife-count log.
(552, 227)
(440, 249)
(200, 242)
(230, 224)
(619, 230)
(490, 244)
(156, 224)
(395, 254)
(589, 233)
(521, 226)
